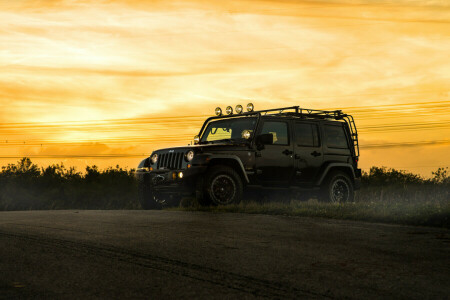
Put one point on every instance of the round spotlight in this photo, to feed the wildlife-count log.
(196, 139)
(154, 158)
(250, 107)
(246, 134)
(180, 175)
(189, 155)
(229, 110)
(239, 108)
(218, 111)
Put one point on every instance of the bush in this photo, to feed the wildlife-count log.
(23, 186)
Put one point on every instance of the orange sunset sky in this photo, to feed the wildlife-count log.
(107, 82)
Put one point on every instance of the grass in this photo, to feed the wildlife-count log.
(417, 213)
(386, 195)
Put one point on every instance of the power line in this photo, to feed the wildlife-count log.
(404, 144)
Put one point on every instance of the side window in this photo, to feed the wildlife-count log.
(335, 137)
(279, 131)
(306, 135)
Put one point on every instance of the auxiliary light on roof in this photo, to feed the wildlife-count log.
(229, 110)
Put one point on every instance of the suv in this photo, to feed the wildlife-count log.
(289, 148)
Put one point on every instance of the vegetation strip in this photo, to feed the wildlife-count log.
(420, 214)
(386, 195)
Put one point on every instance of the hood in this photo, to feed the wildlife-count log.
(205, 148)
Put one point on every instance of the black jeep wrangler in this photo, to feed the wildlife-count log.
(289, 148)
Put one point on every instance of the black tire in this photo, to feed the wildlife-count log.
(337, 188)
(146, 197)
(223, 186)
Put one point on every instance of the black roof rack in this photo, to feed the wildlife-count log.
(319, 114)
(298, 111)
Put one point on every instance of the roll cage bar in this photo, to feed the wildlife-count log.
(297, 111)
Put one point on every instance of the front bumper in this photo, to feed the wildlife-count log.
(168, 182)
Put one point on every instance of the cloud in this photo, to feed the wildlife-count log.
(100, 60)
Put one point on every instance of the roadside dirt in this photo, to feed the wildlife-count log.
(149, 254)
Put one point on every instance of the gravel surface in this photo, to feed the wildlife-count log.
(163, 254)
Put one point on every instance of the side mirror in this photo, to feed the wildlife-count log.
(265, 139)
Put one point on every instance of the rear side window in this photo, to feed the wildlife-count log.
(306, 135)
(335, 137)
(279, 131)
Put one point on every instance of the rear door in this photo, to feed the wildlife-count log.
(308, 151)
(275, 163)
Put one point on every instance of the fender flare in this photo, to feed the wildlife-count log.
(230, 157)
(333, 165)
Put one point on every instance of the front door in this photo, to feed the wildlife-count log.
(308, 152)
(275, 163)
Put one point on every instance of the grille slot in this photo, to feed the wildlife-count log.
(170, 160)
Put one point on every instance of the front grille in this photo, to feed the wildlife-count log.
(170, 160)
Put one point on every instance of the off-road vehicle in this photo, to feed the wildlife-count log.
(290, 148)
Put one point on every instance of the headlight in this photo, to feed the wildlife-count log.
(154, 158)
(196, 139)
(239, 108)
(189, 155)
(250, 107)
(229, 110)
(218, 111)
(246, 134)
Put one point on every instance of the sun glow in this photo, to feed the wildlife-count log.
(126, 77)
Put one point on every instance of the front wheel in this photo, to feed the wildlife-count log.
(223, 185)
(147, 198)
(338, 188)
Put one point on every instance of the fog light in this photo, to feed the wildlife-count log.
(250, 107)
(239, 108)
(218, 111)
(180, 175)
(229, 110)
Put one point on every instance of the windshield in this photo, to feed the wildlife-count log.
(228, 129)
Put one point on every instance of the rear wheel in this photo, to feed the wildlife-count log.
(223, 186)
(338, 188)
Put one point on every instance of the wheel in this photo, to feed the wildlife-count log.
(146, 197)
(223, 186)
(338, 188)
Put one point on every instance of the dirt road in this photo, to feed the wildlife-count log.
(162, 254)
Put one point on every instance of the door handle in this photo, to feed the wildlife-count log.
(315, 153)
(287, 152)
